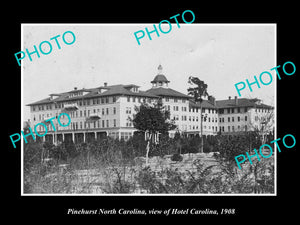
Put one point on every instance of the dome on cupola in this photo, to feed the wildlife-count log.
(160, 80)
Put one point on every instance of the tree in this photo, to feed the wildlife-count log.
(263, 124)
(263, 128)
(198, 92)
(152, 120)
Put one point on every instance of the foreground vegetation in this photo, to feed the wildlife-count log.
(111, 166)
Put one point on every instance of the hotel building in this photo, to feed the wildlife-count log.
(106, 111)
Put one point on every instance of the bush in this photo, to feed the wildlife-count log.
(176, 157)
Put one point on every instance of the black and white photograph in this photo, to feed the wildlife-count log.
(108, 113)
(136, 112)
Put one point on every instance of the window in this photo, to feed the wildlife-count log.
(102, 100)
(128, 110)
(106, 100)
(232, 110)
(133, 99)
(232, 119)
(228, 119)
(103, 123)
(175, 100)
(106, 111)
(115, 110)
(238, 110)
(233, 128)
(239, 119)
(245, 118)
(115, 122)
(107, 123)
(167, 99)
(114, 98)
(228, 128)
(103, 111)
(128, 99)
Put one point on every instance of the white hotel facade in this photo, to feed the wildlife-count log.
(106, 111)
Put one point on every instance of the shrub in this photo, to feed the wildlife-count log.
(177, 157)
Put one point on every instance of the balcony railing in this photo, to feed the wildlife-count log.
(47, 118)
(70, 107)
(93, 117)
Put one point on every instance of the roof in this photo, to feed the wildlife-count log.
(241, 102)
(160, 78)
(94, 92)
(230, 103)
(160, 91)
(205, 104)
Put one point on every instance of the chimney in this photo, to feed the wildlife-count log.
(75, 88)
(105, 84)
(229, 97)
(236, 100)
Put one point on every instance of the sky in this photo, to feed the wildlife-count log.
(220, 54)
